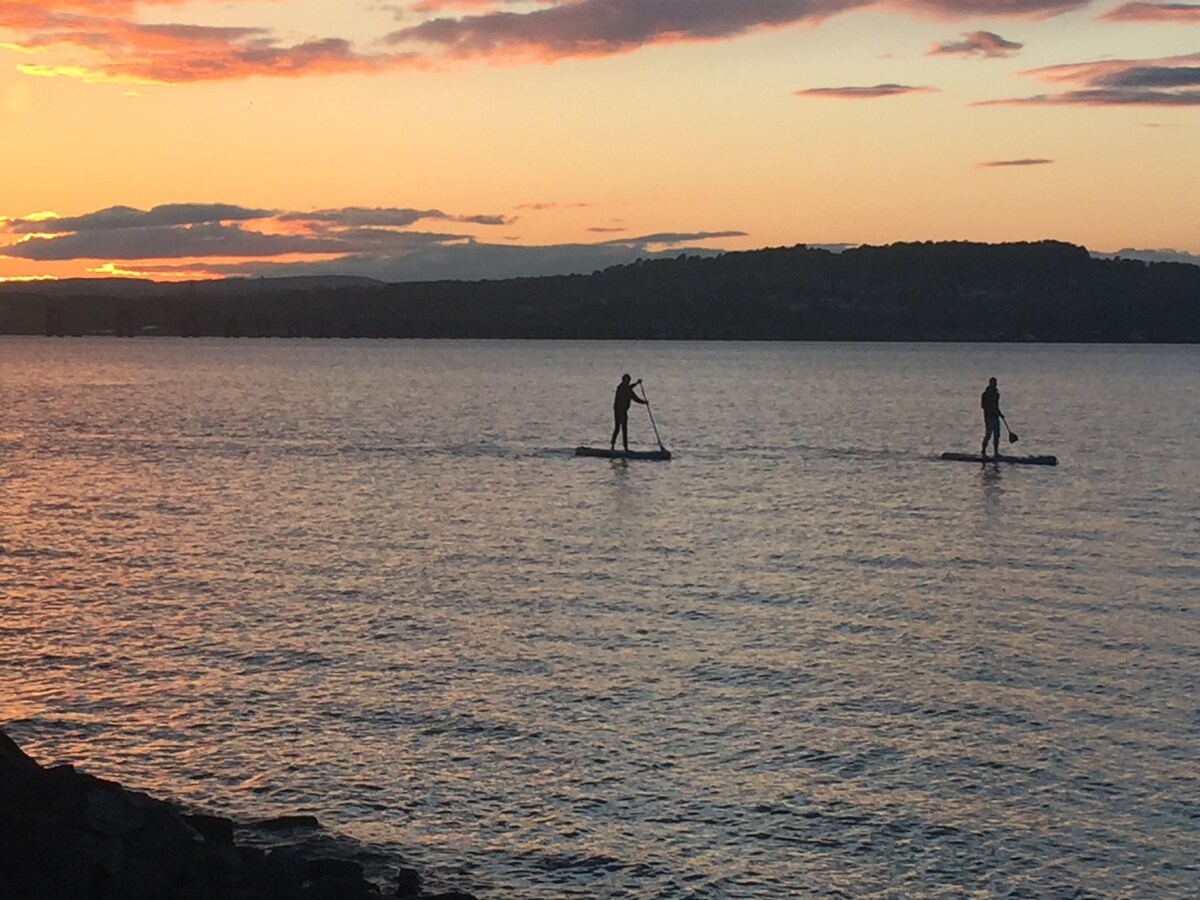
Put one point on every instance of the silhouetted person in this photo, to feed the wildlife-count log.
(990, 401)
(621, 402)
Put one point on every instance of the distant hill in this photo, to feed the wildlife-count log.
(142, 287)
(953, 291)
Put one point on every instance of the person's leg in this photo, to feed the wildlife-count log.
(987, 433)
(612, 444)
(625, 432)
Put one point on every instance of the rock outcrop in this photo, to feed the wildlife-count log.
(67, 835)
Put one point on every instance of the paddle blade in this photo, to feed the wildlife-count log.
(1012, 437)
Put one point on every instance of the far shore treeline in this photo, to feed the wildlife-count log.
(954, 291)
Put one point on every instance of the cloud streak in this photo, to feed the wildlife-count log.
(585, 28)
(539, 207)
(364, 217)
(588, 28)
(1167, 81)
(1154, 12)
(674, 238)
(986, 44)
(973, 9)
(1014, 163)
(873, 92)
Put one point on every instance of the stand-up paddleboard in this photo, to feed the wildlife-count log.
(1023, 460)
(662, 453)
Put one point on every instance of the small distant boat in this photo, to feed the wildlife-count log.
(662, 453)
(1021, 460)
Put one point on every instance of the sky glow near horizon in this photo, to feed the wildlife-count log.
(491, 138)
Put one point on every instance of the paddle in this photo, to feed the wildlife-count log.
(651, 414)
(1012, 435)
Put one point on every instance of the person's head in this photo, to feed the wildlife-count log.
(991, 382)
(625, 378)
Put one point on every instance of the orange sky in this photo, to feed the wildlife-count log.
(482, 138)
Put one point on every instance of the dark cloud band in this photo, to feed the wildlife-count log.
(872, 92)
(121, 217)
(1169, 82)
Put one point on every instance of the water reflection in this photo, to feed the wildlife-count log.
(232, 573)
(991, 477)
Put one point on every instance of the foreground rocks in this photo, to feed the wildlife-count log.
(66, 835)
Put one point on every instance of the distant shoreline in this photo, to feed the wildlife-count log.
(955, 292)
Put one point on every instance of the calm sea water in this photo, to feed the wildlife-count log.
(368, 580)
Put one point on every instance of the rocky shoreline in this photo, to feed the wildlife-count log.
(66, 835)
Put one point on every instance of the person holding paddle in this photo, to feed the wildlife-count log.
(621, 402)
(990, 401)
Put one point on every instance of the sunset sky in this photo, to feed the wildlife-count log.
(419, 139)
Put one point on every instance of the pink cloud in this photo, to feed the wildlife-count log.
(1154, 12)
(977, 43)
(114, 48)
(872, 92)
(101, 40)
(424, 6)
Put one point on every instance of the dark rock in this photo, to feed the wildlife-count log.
(163, 851)
(212, 828)
(14, 762)
(287, 823)
(66, 835)
(327, 867)
(275, 873)
(337, 888)
(215, 868)
(110, 812)
(449, 895)
(408, 883)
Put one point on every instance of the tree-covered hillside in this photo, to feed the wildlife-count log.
(1046, 291)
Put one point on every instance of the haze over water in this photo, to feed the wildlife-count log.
(368, 580)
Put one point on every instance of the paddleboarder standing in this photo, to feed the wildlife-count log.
(621, 402)
(990, 401)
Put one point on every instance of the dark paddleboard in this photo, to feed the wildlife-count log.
(660, 454)
(1024, 460)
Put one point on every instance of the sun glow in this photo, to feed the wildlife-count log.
(88, 76)
(117, 270)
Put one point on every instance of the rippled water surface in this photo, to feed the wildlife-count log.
(368, 580)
